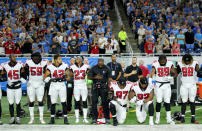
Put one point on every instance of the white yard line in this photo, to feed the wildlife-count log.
(196, 110)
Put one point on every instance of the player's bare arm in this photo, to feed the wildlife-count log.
(150, 98)
(46, 74)
(173, 72)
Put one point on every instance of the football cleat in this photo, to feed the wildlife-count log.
(66, 121)
(94, 121)
(1, 123)
(182, 120)
(12, 121)
(115, 122)
(194, 121)
(157, 121)
(77, 121)
(107, 121)
(42, 121)
(52, 121)
(17, 121)
(170, 122)
(85, 121)
(31, 121)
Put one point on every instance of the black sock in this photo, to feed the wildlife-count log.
(192, 107)
(151, 109)
(113, 109)
(11, 109)
(158, 107)
(167, 106)
(64, 108)
(18, 109)
(183, 108)
(53, 109)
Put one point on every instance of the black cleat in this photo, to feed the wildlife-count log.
(193, 120)
(115, 122)
(107, 121)
(52, 121)
(17, 121)
(66, 121)
(182, 120)
(1, 123)
(94, 121)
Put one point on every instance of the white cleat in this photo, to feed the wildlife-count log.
(31, 121)
(171, 122)
(157, 122)
(151, 123)
(77, 121)
(42, 121)
(85, 121)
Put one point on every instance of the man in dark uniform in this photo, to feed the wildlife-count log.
(133, 72)
(115, 68)
(101, 75)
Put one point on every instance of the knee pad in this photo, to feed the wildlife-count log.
(31, 104)
(77, 104)
(158, 107)
(192, 100)
(151, 109)
(184, 100)
(167, 106)
(85, 104)
(159, 100)
(41, 103)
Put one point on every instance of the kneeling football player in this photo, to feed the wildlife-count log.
(142, 94)
(118, 95)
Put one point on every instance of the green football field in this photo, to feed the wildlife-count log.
(130, 120)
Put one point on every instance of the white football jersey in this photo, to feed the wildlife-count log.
(121, 93)
(13, 73)
(79, 73)
(162, 72)
(189, 74)
(36, 71)
(57, 72)
(142, 94)
(1, 68)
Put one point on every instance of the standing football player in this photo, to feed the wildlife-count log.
(118, 96)
(142, 94)
(57, 73)
(163, 71)
(189, 68)
(35, 68)
(14, 71)
(79, 71)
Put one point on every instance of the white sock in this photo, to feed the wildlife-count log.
(77, 113)
(151, 118)
(18, 118)
(41, 112)
(85, 111)
(158, 115)
(52, 115)
(168, 114)
(31, 111)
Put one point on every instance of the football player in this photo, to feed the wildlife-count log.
(79, 71)
(35, 68)
(188, 68)
(14, 71)
(57, 73)
(142, 94)
(118, 96)
(163, 70)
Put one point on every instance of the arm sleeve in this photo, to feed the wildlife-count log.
(90, 73)
(178, 69)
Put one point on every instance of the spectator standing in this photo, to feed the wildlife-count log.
(115, 45)
(37, 47)
(115, 67)
(73, 46)
(101, 42)
(55, 46)
(9, 46)
(2, 49)
(149, 47)
(189, 39)
(133, 72)
(167, 47)
(181, 39)
(141, 33)
(145, 69)
(198, 39)
(176, 48)
(94, 47)
(122, 36)
(101, 76)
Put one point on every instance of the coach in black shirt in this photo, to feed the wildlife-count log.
(115, 67)
(133, 72)
(101, 76)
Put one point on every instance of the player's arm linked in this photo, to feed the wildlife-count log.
(150, 98)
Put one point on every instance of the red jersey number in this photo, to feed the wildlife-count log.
(163, 71)
(120, 93)
(36, 71)
(141, 96)
(187, 71)
(58, 73)
(77, 74)
(13, 74)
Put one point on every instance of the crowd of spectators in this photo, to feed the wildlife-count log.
(166, 26)
(59, 26)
